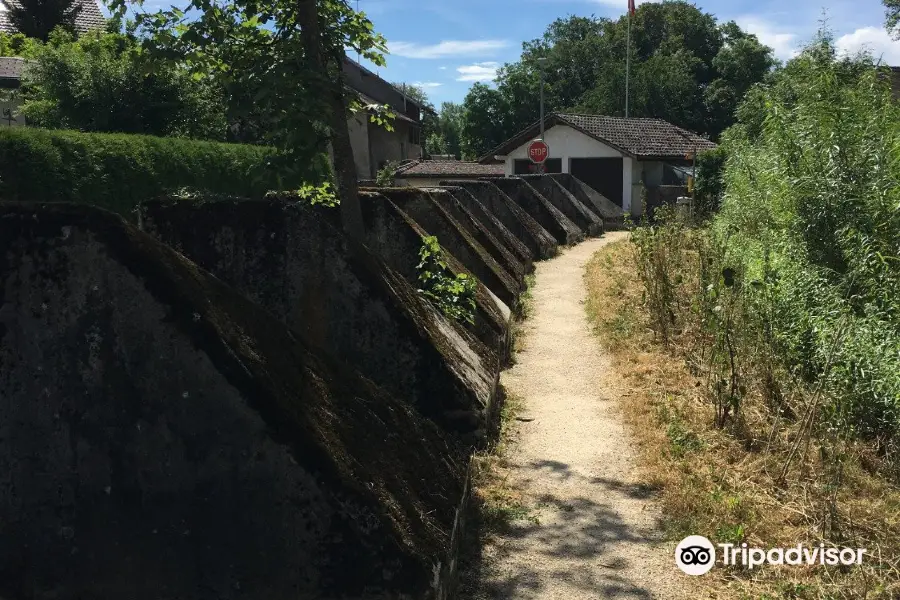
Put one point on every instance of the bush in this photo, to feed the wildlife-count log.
(105, 82)
(118, 171)
(796, 284)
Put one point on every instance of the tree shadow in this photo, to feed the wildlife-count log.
(580, 545)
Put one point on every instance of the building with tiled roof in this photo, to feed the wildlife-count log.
(88, 18)
(374, 146)
(620, 158)
(428, 173)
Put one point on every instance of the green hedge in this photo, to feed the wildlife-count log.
(118, 171)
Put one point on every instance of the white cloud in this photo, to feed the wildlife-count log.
(428, 84)
(871, 39)
(446, 48)
(483, 71)
(442, 68)
(784, 43)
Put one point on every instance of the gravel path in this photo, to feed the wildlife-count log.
(595, 535)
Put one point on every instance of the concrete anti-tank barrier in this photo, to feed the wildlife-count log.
(165, 437)
(498, 230)
(396, 238)
(446, 197)
(551, 218)
(434, 218)
(514, 217)
(567, 203)
(612, 214)
(287, 257)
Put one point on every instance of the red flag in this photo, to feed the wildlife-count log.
(631, 7)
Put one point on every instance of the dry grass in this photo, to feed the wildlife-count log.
(724, 483)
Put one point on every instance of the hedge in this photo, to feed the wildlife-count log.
(118, 171)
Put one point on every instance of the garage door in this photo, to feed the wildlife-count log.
(602, 174)
(526, 167)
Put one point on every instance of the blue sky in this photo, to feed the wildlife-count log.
(446, 45)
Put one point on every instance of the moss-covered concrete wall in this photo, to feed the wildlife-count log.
(612, 214)
(396, 238)
(165, 437)
(568, 204)
(288, 257)
(492, 224)
(515, 218)
(435, 219)
(551, 218)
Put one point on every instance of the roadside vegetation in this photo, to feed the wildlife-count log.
(760, 349)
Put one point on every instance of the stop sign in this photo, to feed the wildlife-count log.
(538, 151)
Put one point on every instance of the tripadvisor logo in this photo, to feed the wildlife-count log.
(696, 555)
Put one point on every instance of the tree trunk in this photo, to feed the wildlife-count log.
(332, 83)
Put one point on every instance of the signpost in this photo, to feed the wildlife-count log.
(538, 152)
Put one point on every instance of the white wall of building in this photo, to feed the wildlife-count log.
(9, 110)
(567, 143)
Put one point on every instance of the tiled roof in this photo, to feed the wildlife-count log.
(11, 68)
(89, 18)
(639, 138)
(448, 168)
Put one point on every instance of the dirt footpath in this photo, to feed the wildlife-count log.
(594, 533)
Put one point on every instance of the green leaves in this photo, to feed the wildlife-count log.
(453, 295)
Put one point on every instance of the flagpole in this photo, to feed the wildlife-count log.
(628, 65)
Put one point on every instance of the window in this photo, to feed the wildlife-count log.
(414, 133)
(524, 166)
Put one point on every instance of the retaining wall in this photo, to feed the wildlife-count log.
(435, 218)
(165, 437)
(289, 259)
(551, 218)
(514, 217)
(612, 214)
(568, 204)
(396, 239)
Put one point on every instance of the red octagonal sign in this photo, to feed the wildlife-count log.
(538, 151)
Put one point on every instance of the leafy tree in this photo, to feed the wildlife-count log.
(450, 123)
(104, 82)
(280, 63)
(483, 120)
(18, 44)
(686, 68)
(892, 16)
(37, 18)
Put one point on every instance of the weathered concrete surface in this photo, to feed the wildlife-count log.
(612, 215)
(289, 259)
(161, 436)
(497, 249)
(455, 239)
(478, 210)
(568, 204)
(396, 238)
(551, 218)
(514, 217)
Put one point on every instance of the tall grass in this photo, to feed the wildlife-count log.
(786, 303)
(796, 281)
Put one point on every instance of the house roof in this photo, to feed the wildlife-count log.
(637, 138)
(88, 18)
(448, 168)
(11, 67)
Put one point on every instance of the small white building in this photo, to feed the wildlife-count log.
(621, 158)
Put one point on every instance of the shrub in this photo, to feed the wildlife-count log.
(118, 171)
(453, 295)
(105, 82)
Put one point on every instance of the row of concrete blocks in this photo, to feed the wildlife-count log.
(245, 403)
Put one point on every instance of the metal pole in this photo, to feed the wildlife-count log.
(542, 104)
(628, 66)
